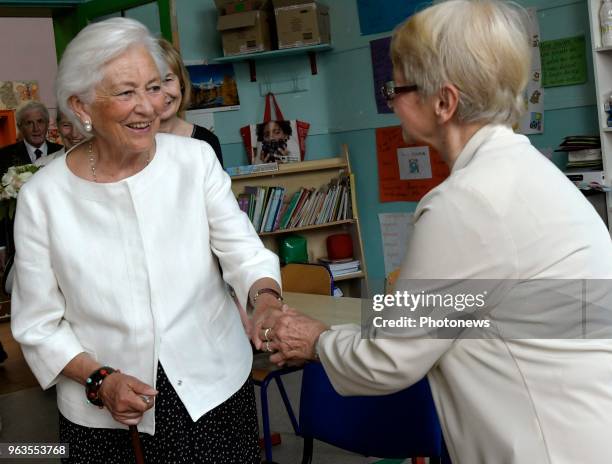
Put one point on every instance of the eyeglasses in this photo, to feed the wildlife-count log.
(389, 91)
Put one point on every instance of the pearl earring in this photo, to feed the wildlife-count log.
(87, 126)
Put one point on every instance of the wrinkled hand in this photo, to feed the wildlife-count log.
(121, 394)
(268, 309)
(293, 337)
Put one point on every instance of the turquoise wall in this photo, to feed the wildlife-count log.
(339, 101)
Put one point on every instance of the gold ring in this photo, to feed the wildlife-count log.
(268, 349)
(266, 332)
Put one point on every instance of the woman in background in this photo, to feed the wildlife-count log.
(176, 87)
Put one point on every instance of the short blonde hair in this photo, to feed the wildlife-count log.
(480, 46)
(176, 65)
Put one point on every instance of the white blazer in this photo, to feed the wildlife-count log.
(505, 212)
(126, 272)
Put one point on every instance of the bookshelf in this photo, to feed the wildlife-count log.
(314, 174)
(602, 67)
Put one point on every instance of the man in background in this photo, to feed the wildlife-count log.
(32, 121)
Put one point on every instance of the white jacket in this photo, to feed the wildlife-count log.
(505, 212)
(126, 271)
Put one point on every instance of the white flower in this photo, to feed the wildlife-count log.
(14, 179)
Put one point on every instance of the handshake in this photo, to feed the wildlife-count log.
(287, 334)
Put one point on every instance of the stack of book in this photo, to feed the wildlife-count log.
(262, 205)
(251, 169)
(270, 209)
(583, 151)
(341, 267)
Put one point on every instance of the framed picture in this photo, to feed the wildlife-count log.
(214, 87)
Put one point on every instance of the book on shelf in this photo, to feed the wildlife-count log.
(284, 222)
(271, 208)
(592, 154)
(340, 267)
(251, 169)
(276, 200)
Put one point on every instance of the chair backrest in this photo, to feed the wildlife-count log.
(307, 278)
(401, 425)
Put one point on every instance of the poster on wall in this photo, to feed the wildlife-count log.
(564, 61)
(532, 121)
(214, 87)
(406, 172)
(14, 93)
(382, 70)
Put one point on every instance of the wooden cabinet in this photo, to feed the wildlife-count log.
(314, 174)
(602, 64)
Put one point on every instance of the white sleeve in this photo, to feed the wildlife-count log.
(37, 304)
(242, 255)
(457, 236)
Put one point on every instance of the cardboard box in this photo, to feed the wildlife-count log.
(300, 23)
(247, 31)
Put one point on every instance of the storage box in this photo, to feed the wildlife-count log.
(247, 31)
(301, 23)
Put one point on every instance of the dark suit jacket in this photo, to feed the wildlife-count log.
(17, 155)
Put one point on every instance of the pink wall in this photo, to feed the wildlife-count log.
(28, 53)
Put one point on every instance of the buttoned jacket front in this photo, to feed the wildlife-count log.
(128, 272)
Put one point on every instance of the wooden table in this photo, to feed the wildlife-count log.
(327, 309)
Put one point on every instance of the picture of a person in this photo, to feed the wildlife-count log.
(275, 143)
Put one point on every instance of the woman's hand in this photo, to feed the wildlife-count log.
(126, 397)
(268, 309)
(293, 336)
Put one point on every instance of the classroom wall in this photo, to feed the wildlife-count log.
(344, 88)
(28, 53)
(339, 101)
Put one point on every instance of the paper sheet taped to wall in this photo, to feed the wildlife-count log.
(395, 229)
(406, 172)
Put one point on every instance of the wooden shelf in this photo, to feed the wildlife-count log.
(251, 58)
(298, 168)
(310, 227)
(314, 174)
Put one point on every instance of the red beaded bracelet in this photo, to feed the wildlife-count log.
(93, 383)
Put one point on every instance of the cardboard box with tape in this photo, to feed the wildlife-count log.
(301, 23)
(245, 26)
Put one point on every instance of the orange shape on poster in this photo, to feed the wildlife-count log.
(390, 185)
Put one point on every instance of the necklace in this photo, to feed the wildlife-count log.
(92, 161)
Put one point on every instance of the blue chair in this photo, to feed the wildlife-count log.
(397, 426)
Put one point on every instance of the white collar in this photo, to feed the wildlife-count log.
(32, 148)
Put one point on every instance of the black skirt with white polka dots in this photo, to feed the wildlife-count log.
(227, 434)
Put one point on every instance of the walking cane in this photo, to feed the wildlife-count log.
(136, 444)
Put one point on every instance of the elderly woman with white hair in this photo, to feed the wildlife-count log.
(118, 299)
(506, 219)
